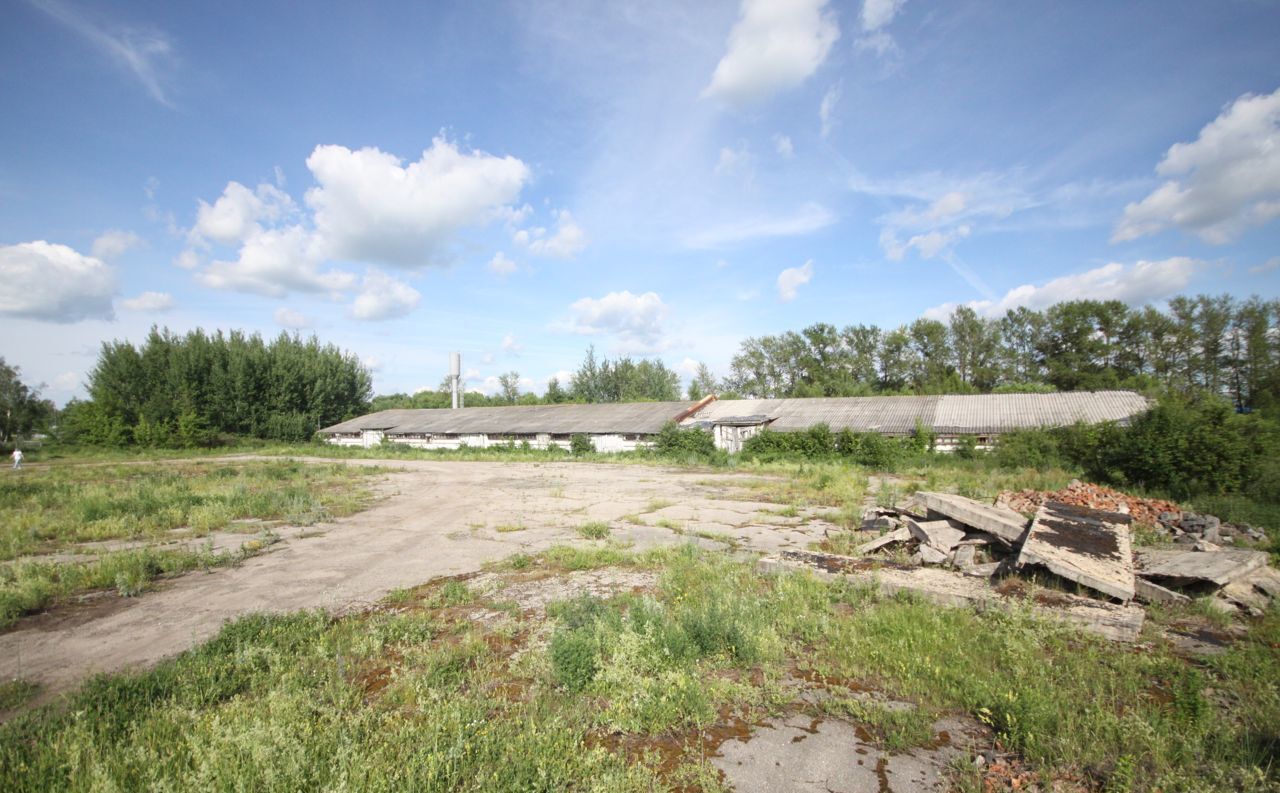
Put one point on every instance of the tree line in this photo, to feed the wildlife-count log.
(186, 390)
(623, 379)
(1218, 344)
(183, 390)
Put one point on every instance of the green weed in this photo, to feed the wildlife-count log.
(595, 530)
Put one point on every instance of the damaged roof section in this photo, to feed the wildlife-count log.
(974, 414)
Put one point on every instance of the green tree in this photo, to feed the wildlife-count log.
(555, 394)
(703, 383)
(21, 408)
(509, 387)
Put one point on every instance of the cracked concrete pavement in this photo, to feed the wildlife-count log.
(434, 518)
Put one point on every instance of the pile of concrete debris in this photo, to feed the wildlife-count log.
(1086, 546)
(951, 550)
(1163, 516)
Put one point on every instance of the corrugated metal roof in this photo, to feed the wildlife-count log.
(979, 414)
(383, 419)
(626, 418)
(976, 414)
(893, 415)
(950, 414)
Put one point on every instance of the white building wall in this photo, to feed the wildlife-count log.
(605, 443)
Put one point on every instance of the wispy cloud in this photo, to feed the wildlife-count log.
(808, 219)
(1136, 284)
(145, 53)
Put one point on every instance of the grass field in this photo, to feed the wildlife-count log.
(450, 687)
(68, 529)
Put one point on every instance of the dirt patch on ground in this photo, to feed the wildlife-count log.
(435, 519)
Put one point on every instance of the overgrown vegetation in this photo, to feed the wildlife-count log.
(187, 391)
(70, 529)
(426, 696)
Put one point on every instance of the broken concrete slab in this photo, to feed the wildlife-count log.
(1001, 522)
(1113, 621)
(941, 534)
(1150, 592)
(1266, 580)
(1189, 567)
(897, 535)
(963, 557)
(987, 570)
(1243, 594)
(978, 538)
(931, 555)
(1084, 545)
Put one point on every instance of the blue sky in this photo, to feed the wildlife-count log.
(517, 181)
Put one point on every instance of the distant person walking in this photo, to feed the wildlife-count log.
(17, 459)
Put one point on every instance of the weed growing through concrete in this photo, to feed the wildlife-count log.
(595, 530)
(656, 504)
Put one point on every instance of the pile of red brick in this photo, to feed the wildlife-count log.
(1082, 494)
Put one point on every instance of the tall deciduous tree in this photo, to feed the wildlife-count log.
(509, 387)
(21, 408)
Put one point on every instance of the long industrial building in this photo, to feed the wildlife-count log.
(623, 427)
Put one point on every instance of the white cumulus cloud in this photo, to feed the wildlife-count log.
(384, 297)
(289, 318)
(237, 214)
(370, 206)
(114, 243)
(1142, 282)
(1219, 184)
(273, 263)
(510, 345)
(791, 279)
(367, 206)
(568, 240)
(148, 301)
(635, 319)
(47, 281)
(501, 265)
(775, 45)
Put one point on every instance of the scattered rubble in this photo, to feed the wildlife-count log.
(1115, 621)
(1163, 516)
(1000, 522)
(1084, 540)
